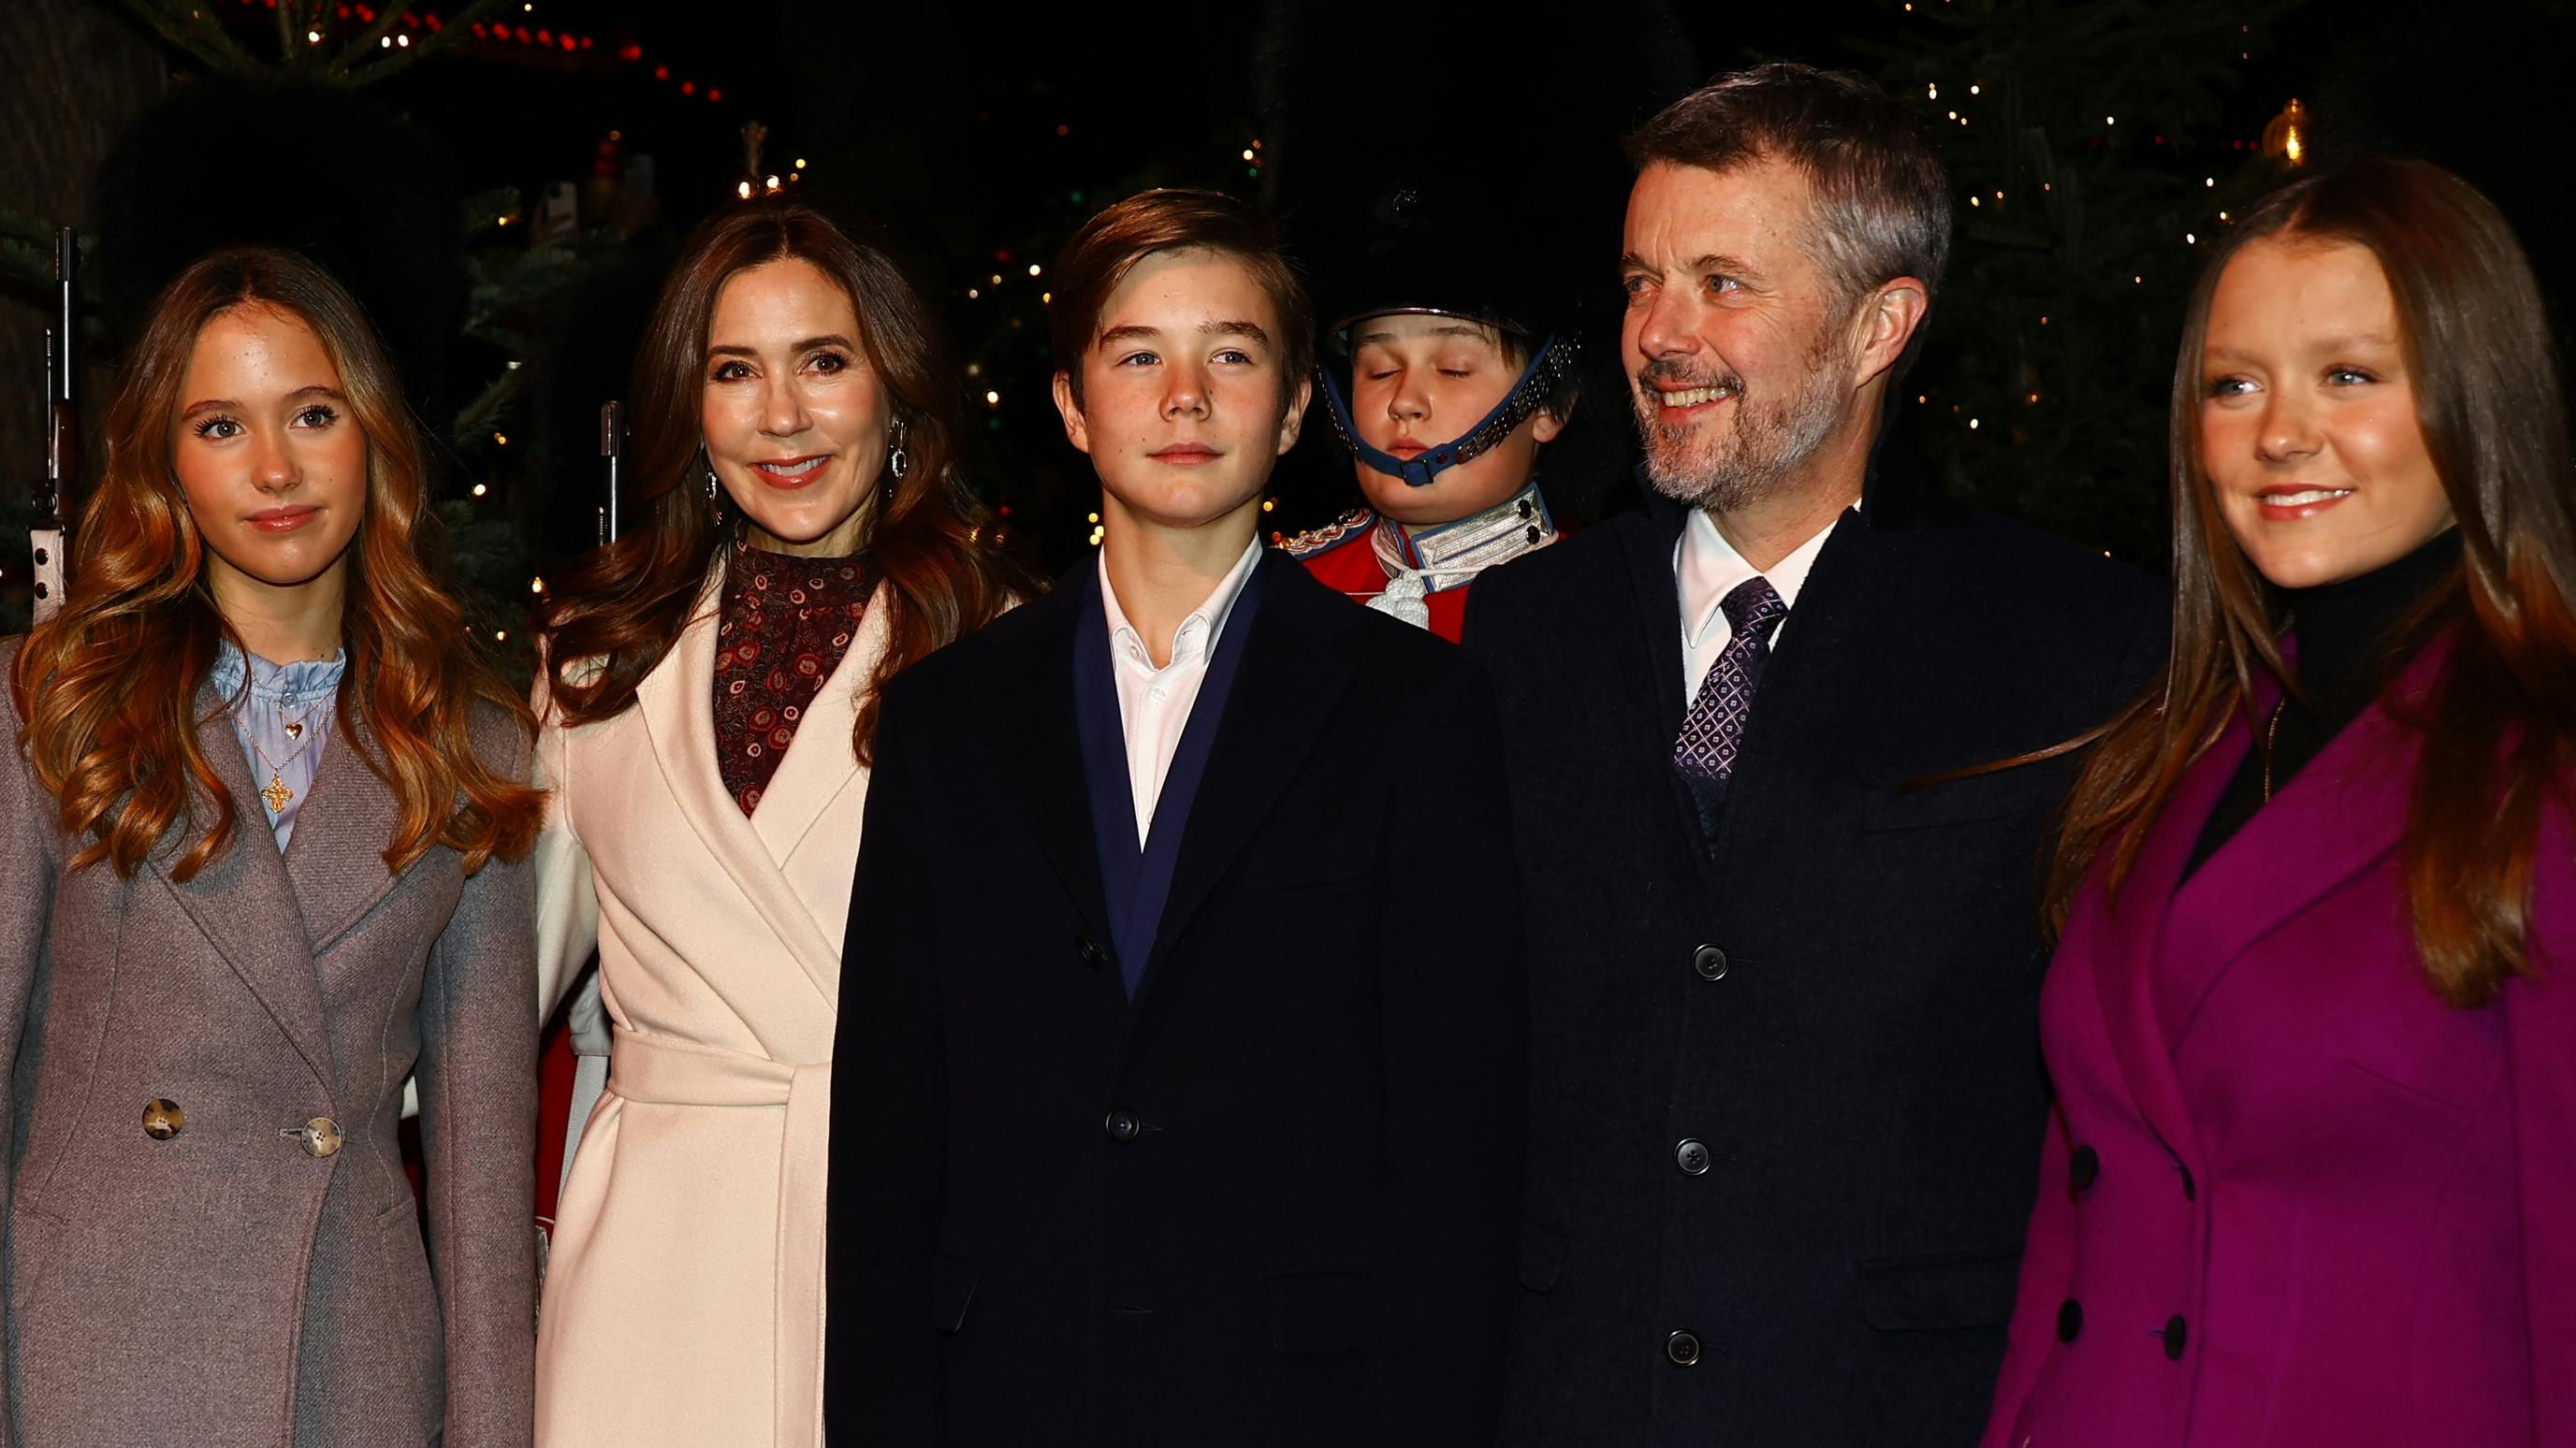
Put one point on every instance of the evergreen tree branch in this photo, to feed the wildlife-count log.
(452, 33)
(195, 30)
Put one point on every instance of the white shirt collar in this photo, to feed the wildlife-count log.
(1708, 568)
(1197, 635)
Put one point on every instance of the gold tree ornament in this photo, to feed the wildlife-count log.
(2286, 138)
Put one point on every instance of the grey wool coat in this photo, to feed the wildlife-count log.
(224, 1285)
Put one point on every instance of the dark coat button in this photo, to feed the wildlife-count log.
(1682, 1348)
(1691, 1156)
(2175, 1327)
(1122, 1125)
(2070, 1319)
(1093, 953)
(1710, 962)
(163, 1119)
(2083, 1167)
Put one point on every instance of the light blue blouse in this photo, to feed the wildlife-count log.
(282, 761)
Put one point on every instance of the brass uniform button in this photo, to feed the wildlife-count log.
(163, 1119)
(320, 1137)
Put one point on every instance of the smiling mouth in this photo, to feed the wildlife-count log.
(1689, 397)
(2305, 497)
(791, 471)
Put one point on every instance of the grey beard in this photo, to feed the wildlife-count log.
(1746, 462)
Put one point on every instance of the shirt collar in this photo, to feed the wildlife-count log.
(1708, 568)
(284, 683)
(1196, 637)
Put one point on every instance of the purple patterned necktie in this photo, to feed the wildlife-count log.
(1712, 734)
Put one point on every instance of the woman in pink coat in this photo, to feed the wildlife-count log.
(2312, 1174)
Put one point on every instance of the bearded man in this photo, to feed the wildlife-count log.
(1786, 1088)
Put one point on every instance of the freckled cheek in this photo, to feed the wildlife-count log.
(339, 465)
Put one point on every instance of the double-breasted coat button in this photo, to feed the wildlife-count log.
(2070, 1319)
(2175, 1327)
(1122, 1125)
(1710, 962)
(1093, 953)
(1682, 1348)
(1691, 1156)
(2083, 1168)
(162, 1119)
(320, 1137)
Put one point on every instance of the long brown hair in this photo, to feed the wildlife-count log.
(622, 608)
(107, 689)
(2499, 727)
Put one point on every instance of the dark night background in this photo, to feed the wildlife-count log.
(980, 137)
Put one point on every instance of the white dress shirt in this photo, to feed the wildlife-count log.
(1707, 568)
(1154, 704)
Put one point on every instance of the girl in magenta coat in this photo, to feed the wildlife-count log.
(2312, 1174)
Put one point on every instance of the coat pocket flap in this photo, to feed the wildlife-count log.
(1321, 1311)
(1949, 1289)
(952, 1287)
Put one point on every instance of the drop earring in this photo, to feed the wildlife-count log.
(898, 462)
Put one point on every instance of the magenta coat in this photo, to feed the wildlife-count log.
(2322, 1207)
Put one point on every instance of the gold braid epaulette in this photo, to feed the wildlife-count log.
(1339, 531)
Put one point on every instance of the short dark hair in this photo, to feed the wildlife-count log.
(1109, 246)
(1882, 196)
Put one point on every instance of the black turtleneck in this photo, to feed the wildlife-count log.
(2350, 641)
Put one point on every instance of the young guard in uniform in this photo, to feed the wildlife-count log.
(1159, 1117)
(1446, 376)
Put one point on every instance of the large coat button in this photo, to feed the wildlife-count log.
(163, 1119)
(2070, 1319)
(2083, 1168)
(2173, 1335)
(1122, 1126)
(1710, 962)
(320, 1137)
(1682, 1348)
(1691, 1156)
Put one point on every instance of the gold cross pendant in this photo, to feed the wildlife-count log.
(277, 795)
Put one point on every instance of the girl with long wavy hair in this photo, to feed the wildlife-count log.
(2310, 1176)
(262, 808)
(708, 705)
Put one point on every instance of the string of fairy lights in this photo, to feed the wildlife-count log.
(2284, 140)
(527, 38)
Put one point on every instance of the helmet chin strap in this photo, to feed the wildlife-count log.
(1547, 367)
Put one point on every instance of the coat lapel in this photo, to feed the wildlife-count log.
(677, 702)
(1649, 559)
(1041, 751)
(2131, 930)
(1833, 639)
(244, 905)
(336, 858)
(1038, 752)
(2341, 814)
(1292, 676)
(820, 763)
